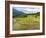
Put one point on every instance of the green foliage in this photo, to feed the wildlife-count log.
(27, 22)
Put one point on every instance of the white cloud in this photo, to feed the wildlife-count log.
(27, 10)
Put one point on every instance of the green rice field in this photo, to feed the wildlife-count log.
(28, 22)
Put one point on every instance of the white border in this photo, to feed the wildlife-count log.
(25, 31)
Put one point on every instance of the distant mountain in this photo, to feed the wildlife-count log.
(20, 13)
(17, 12)
(25, 15)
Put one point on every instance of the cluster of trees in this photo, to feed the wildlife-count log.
(25, 15)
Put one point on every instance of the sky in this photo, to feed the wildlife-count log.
(27, 9)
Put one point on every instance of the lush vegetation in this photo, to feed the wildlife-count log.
(26, 22)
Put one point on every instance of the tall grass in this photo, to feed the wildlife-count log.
(30, 22)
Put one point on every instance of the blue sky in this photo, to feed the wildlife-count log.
(27, 9)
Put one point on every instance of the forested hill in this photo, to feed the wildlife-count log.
(21, 13)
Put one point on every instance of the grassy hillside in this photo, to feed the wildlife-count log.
(28, 22)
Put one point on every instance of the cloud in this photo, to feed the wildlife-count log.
(27, 10)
